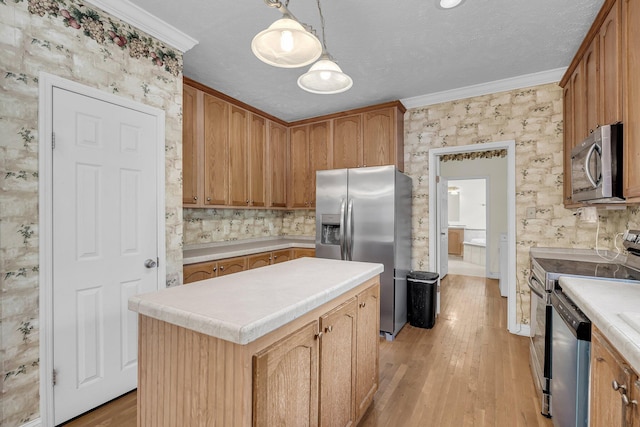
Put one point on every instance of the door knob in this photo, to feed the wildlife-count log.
(150, 263)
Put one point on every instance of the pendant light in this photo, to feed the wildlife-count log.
(325, 77)
(449, 4)
(286, 43)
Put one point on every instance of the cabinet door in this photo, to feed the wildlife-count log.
(191, 143)
(303, 252)
(285, 381)
(258, 260)
(257, 161)
(299, 166)
(633, 409)
(278, 165)
(568, 135)
(281, 256)
(347, 142)
(319, 155)
(605, 407)
(338, 365)
(455, 241)
(631, 90)
(367, 348)
(591, 87)
(199, 271)
(579, 112)
(232, 265)
(216, 140)
(379, 137)
(610, 67)
(238, 141)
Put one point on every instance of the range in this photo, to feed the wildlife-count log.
(547, 265)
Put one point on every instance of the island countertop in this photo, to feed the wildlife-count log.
(245, 306)
(614, 308)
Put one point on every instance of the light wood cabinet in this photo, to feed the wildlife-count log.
(216, 151)
(232, 265)
(283, 255)
(591, 89)
(309, 152)
(303, 252)
(192, 190)
(367, 349)
(278, 152)
(610, 66)
(238, 154)
(614, 387)
(631, 97)
(347, 142)
(382, 131)
(259, 260)
(257, 161)
(338, 365)
(456, 237)
(200, 271)
(285, 381)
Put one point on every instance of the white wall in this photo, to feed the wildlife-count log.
(472, 196)
(495, 169)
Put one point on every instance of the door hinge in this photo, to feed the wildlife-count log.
(54, 377)
(437, 178)
(53, 140)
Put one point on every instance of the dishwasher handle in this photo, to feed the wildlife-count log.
(536, 287)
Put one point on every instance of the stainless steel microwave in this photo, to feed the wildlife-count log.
(596, 167)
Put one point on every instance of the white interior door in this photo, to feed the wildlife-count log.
(443, 224)
(104, 231)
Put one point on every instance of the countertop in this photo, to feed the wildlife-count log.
(244, 306)
(588, 255)
(214, 251)
(614, 308)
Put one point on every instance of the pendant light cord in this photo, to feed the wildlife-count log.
(324, 42)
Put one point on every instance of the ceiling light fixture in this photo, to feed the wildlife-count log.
(449, 4)
(325, 76)
(286, 43)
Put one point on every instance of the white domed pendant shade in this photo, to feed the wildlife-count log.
(325, 77)
(286, 44)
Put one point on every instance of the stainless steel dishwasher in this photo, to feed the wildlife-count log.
(570, 352)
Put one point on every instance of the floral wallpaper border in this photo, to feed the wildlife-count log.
(489, 154)
(76, 15)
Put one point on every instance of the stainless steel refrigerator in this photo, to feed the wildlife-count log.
(364, 214)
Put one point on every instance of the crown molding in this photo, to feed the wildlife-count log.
(150, 24)
(527, 80)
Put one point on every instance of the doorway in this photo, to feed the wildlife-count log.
(468, 237)
(102, 240)
(435, 222)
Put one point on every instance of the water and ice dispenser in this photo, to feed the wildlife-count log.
(330, 229)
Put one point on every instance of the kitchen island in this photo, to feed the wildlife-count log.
(288, 344)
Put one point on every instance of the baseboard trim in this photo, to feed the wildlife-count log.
(33, 423)
(522, 330)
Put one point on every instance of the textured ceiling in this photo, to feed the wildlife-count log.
(392, 50)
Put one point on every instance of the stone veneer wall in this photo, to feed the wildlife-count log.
(533, 118)
(217, 225)
(81, 43)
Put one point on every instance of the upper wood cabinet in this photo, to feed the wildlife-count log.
(238, 151)
(631, 92)
(191, 149)
(309, 152)
(601, 86)
(257, 161)
(347, 142)
(383, 130)
(278, 152)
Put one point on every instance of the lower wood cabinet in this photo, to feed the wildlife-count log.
(615, 390)
(323, 374)
(456, 237)
(210, 269)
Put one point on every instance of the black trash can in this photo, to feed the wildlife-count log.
(421, 298)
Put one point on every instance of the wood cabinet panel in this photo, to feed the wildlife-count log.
(568, 138)
(303, 252)
(257, 161)
(285, 381)
(610, 67)
(216, 151)
(379, 137)
(277, 171)
(347, 142)
(200, 271)
(299, 166)
(319, 155)
(191, 167)
(456, 237)
(232, 265)
(606, 407)
(367, 349)
(238, 141)
(281, 256)
(259, 260)
(631, 91)
(338, 365)
(591, 87)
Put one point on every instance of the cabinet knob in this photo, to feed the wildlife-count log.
(208, 199)
(215, 269)
(195, 198)
(221, 267)
(247, 201)
(619, 387)
(627, 402)
(318, 335)
(363, 304)
(328, 328)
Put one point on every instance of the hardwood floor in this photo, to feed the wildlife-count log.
(468, 370)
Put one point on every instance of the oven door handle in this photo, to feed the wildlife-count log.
(535, 289)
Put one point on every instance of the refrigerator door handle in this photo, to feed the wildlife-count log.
(350, 231)
(342, 233)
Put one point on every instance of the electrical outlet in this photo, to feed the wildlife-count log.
(531, 213)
